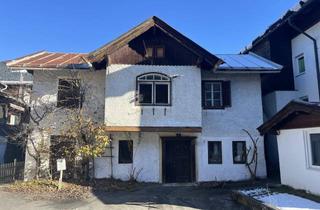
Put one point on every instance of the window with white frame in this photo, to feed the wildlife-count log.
(315, 149)
(153, 89)
(213, 94)
(301, 64)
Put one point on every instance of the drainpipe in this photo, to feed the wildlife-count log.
(315, 47)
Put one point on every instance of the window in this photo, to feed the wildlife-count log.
(3, 113)
(155, 52)
(239, 152)
(214, 152)
(216, 94)
(159, 52)
(301, 64)
(315, 149)
(125, 151)
(153, 89)
(69, 93)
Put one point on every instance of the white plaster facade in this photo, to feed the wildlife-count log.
(306, 83)
(185, 109)
(112, 97)
(295, 168)
(218, 125)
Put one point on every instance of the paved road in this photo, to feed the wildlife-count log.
(147, 197)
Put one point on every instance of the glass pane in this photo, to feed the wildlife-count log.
(207, 87)
(315, 149)
(214, 152)
(162, 93)
(160, 52)
(125, 151)
(150, 77)
(216, 87)
(157, 77)
(239, 152)
(217, 103)
(301, 65)
(217, 95)
(208, 95)
(149, 52)
(164, 78)
(145, 93)
(208, 103)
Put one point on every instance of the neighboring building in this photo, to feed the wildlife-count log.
(298, 128)
(290, 41)
(175, 113)
(15, 90)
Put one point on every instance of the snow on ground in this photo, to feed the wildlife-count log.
(282, 201)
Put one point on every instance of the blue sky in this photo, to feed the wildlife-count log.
(224, 26)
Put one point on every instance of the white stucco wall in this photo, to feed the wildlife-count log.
(146, 158)
(306, 83)
(120, 108)
(226, 126)
(294, 167)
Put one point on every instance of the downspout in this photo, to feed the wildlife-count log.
(315, 47)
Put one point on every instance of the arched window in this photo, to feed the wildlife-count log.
(154, 89)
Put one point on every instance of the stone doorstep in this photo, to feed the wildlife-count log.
(191, 184)
(251, 202)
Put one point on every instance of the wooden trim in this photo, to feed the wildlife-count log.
(153, 129)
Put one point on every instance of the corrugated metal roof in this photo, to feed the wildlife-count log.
(12, 77)
(247, 62)
(51, 60)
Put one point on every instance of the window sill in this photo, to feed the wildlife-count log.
(314, 167)
(209, 108)
(153, 105)
(300, 74)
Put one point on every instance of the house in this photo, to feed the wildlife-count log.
(298, 128)
(15, 90)
(293, 42)
(175, 112)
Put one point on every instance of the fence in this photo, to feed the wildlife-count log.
(10, 172)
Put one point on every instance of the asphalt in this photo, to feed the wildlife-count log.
(146, 197)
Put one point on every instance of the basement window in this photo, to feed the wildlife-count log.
(214, 152)
(125, 151)
(153, 89)
(69, 93)
(239, 152)
(315, 149)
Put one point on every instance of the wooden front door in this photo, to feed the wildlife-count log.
(178, 159)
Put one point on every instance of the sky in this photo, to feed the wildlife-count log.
(225, 26)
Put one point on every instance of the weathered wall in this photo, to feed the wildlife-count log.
(294, 157)
(45, 90)
(226, 125)
(306, 83)
(120, 109)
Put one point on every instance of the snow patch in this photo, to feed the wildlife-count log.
(282, 201)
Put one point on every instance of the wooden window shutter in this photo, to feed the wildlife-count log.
(202, 94)
(226, 93)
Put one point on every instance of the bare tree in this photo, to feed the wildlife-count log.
(252, 160)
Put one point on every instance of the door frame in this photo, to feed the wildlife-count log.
(192, 140)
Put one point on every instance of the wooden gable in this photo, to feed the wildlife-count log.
(130, 48)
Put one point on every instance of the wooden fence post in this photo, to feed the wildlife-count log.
(14, 169)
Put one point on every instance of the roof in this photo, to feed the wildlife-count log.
(16, 77)
(247, 62)
(109, 48)
(50, 60)
(298, 8)
(296, 114)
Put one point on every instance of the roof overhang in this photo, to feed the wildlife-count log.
(296, 114)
